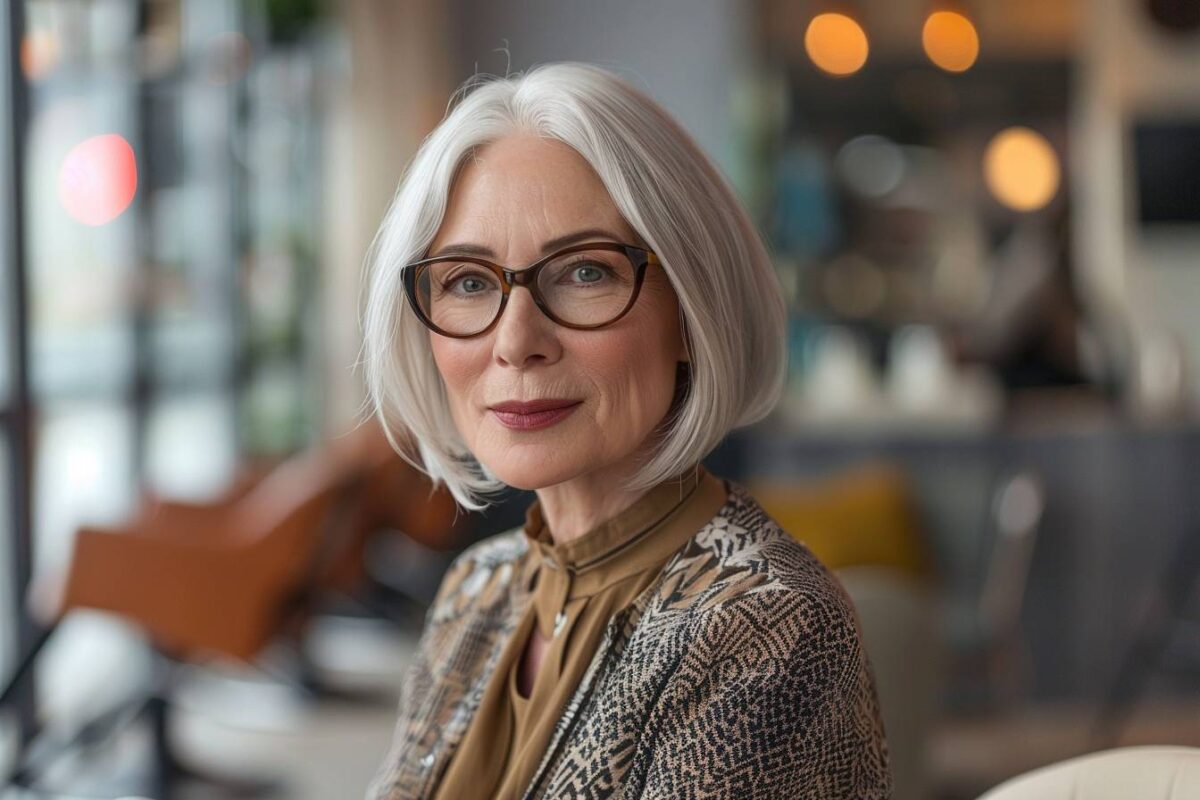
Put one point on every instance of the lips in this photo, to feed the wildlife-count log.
(545, 413)
(533, 406)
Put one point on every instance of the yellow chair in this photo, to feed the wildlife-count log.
(865, 515)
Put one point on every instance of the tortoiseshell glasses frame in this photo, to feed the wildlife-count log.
(413, 274)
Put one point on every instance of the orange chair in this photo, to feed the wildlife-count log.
(225, 578)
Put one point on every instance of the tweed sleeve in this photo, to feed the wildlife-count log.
(774, 699)
(396, 773)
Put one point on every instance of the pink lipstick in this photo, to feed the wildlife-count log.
(534, 415)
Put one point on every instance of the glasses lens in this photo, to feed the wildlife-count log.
(590, 287)
(459, 297)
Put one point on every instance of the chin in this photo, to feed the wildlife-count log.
(530, 474)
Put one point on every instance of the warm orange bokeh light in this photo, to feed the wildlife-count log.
(836, 44)
(98, 179)
(950, 41)
(1021, 169)
(39, 54)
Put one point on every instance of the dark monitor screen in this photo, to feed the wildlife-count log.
(1167, 162)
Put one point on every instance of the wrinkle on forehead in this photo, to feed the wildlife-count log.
(518, 192)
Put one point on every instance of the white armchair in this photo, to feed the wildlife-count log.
(1146, 773)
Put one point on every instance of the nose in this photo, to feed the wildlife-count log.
(524, 335)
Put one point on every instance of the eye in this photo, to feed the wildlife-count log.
(470, 283)
(590, 273)
(467, 283)
(585, 273)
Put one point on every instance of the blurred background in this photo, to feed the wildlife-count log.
(986, 217)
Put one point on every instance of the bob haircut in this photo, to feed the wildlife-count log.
(732, 308)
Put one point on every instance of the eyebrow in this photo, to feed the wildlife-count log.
(467, 249)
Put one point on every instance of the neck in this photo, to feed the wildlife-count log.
(572, 508)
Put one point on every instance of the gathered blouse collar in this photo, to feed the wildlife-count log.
(644, 534)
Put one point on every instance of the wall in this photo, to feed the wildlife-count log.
(390, 91)
(684, 53)
(1128, 68)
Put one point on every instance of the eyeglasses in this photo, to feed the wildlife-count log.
(584, 286)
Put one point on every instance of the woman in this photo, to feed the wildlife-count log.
(567, 298)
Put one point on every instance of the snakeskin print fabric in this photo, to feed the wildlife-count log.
(739, 673)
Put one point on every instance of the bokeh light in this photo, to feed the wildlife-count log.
(950, 41)
(871, 165)
(836, 44)
(39, 54)
(1021, 169)
(98, 179)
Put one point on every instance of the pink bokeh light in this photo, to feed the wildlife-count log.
(98, 179)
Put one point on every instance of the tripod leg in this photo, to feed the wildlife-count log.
(24, 667)
(26, 664)
(91, 733)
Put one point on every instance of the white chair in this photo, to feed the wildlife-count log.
(1126, 773)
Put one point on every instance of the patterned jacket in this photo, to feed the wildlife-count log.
(738, 674)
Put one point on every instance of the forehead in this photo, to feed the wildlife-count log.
(526, 187)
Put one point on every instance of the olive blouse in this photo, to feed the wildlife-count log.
(576, 587)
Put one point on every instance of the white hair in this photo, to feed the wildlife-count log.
(733, 312)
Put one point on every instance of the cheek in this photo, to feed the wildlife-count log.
(659, 348)
(456, 364)
(640, 379)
